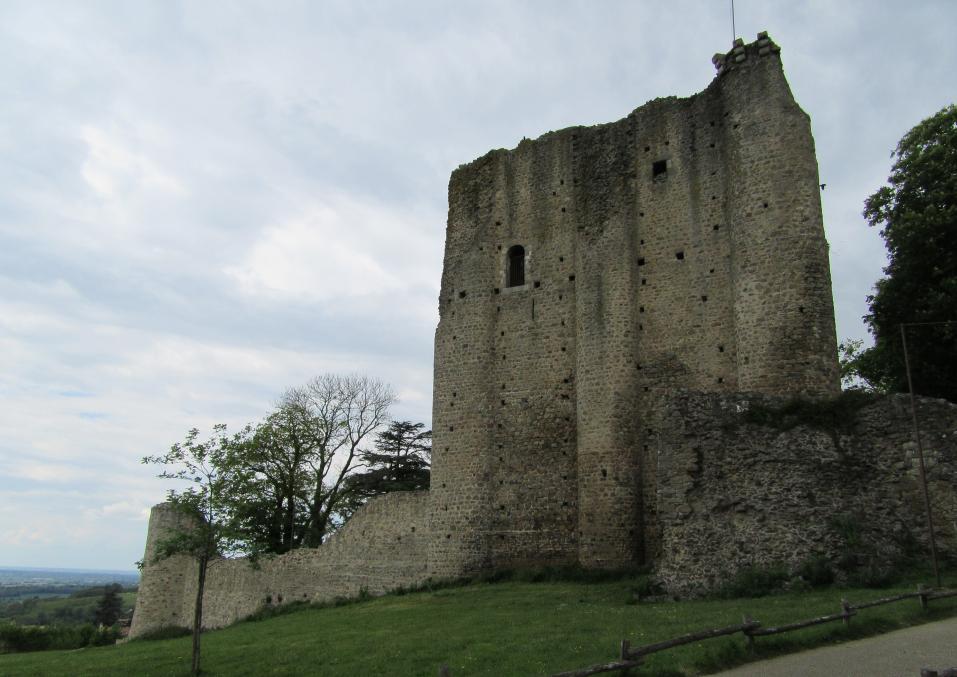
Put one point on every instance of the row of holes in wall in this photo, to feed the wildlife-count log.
(515, 266)
(515, 263)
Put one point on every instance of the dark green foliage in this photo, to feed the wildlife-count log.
(19, 638)
(269, 610)
(400, 462)
(165, 632)
(570, 573)
(209, 529)
(645, 587)
(110, 607)
(722, 654)
(917, 215)
(293, 471)
(860, 562)
(817, 572)
(831, 415)
(754, 582)
(77, 609)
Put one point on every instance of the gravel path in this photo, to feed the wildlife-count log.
(902, 652)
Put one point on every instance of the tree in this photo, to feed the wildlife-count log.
(400, 462)
(110, 606)
(917, 215)
(271, 476)
(292, 472)
(212, 532)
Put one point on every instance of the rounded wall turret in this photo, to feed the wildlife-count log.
(161, 599)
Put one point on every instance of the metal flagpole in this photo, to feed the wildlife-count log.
(734, 33)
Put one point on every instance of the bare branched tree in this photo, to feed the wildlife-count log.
(300, 456)
(347, 409)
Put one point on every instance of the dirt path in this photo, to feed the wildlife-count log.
(902, 652)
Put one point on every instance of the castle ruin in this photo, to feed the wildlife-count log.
(613, 297)
(593, 271)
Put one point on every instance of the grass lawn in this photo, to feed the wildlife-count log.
(495, 629)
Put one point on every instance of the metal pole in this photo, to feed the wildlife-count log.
(734, 33)
(920, 457)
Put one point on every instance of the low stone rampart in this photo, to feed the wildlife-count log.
(733, 493)
(383, 546)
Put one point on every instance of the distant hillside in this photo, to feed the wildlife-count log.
(27, 583)
(59, 610)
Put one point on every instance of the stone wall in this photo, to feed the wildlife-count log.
(383, 547)
(679, 247)
(733, 494)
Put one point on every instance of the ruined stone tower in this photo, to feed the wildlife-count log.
(592, 271)
(614, 301)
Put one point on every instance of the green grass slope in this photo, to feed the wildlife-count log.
(484, 629)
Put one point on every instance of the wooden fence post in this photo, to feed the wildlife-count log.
(846, 608)
(746, 620)
(922, 594)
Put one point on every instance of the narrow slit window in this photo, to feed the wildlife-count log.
(515, 269)
(659, 168)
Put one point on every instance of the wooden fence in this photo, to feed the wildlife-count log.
(632, 656)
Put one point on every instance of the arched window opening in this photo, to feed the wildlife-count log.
(515, 271)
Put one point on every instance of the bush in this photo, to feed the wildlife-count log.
(166, 632)
(20, 638)
(860, 561)
(268, 611)
(754, 582)
(833, 415)
(569, 573)
(872, 574)
(16, 638)
(817, 571)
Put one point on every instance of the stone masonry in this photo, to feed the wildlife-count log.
(612, 296)
(732, 494)
(680, 247)
(383, 547)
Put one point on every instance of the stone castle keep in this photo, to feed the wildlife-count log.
(613, 298)
(680, 247)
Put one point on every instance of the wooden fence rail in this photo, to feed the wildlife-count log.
(631, 657)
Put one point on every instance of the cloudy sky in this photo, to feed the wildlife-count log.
(203, 203)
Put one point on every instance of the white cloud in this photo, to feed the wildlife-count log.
(336, 251)
(111, 168)
(202, 205)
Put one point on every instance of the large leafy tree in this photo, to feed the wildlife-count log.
(293, 472)
(917, 215)
(400, 462)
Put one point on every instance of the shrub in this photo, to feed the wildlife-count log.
(833, 415)
(15, 638)
(872, 574)
(754, 582)
(816, 571)
(20, 638)
(272, 610)
(165, 632)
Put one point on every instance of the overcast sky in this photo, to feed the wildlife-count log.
(203, 203)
